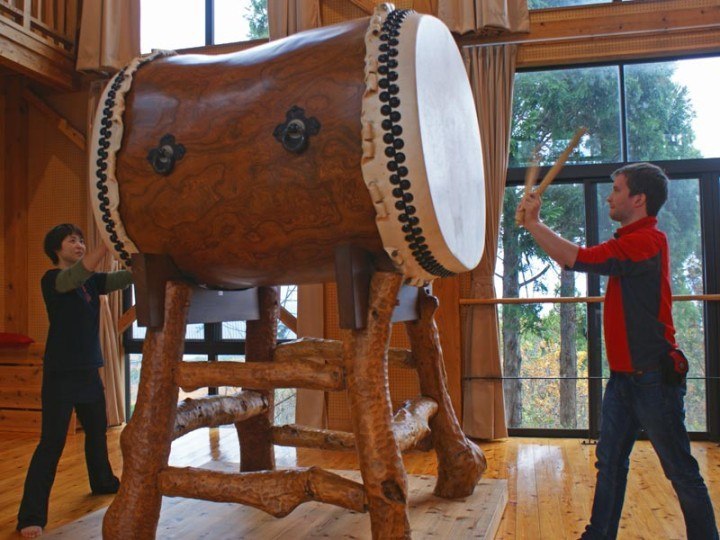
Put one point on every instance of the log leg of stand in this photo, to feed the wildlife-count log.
(255, 435)
(365, 356)
(460, 462)
(146, 440)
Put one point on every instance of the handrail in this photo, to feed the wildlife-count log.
(53, 21)
(130, 316)
(574, 300)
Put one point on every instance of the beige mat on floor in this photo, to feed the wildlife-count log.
(477, 516)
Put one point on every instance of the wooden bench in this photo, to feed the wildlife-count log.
(20, 385)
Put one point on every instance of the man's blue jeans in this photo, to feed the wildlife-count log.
(643, 401)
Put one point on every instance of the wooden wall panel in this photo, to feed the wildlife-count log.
(59, 193)
(20, 385)
(15, 201)
(22, 377)
(19, 398)
(20, 420)
(2, 208)
(25, 356)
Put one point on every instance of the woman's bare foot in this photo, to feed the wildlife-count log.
(33, 531)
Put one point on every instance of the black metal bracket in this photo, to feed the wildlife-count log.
(295, 133)
(163, 157)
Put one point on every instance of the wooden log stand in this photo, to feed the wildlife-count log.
(360, 365)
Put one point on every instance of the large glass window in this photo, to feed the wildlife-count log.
(544, 345)
(182, 24)
(553, 355)
(543, 4)
(548, 106)
(672, 110)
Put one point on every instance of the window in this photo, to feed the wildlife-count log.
(217, 342)
(554, 364)
(548, 106)
(171, 24)
(240, 20)
(544, 345)
(544, 4)
(672, 110)
(181, 24)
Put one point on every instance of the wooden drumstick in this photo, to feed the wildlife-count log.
(555, 169)
(531, 175)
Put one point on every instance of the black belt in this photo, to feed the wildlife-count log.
(636, 372)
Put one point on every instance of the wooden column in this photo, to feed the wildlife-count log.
(460, 462)
(146, 440)
(15, 200)
(365, 356)
(255, 434)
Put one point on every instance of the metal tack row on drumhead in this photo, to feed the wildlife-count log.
(102, 165)
(107, 138)
(387, 63)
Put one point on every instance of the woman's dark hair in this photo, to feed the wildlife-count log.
(55, 236)
(649, 180)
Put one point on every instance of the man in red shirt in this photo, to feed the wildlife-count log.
(647, 387)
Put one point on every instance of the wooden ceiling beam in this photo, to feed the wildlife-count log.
(607, 20)
(615, 31)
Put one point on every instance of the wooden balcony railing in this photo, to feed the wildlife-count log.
(40, 38)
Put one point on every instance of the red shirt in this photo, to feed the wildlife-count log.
(637, 318)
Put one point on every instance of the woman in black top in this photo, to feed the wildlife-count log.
(70, 371)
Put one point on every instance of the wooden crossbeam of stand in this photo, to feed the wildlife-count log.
(276, 492)
(329, 351)
(299, 374)
(214, 411)
(410, 426)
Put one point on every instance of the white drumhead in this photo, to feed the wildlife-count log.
(433, 221)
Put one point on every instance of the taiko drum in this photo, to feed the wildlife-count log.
(251, 168)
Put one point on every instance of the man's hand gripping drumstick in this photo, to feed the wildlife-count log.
(528, 211)
(531, 174)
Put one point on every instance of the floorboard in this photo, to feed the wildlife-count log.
(550, 482)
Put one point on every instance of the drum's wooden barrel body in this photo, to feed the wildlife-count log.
(238, 209)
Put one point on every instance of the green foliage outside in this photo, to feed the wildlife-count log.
(256, 15)
(548, 342)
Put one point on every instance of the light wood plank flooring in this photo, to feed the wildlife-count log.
(550, 481)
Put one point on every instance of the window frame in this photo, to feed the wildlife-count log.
(708, 173)
(707, 170)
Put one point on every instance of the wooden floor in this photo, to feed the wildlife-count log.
(550, 481)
